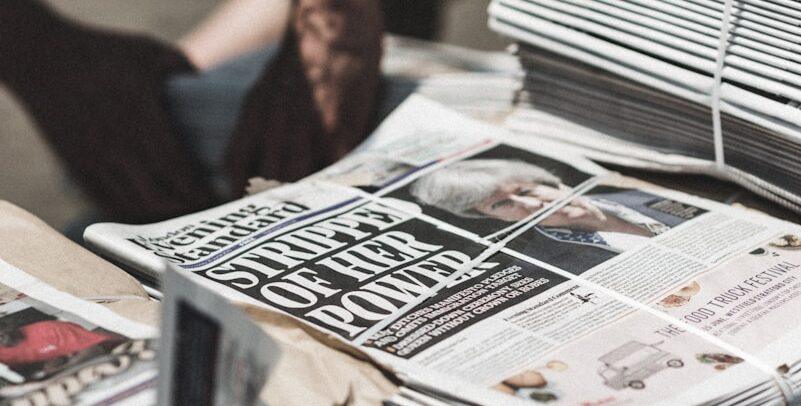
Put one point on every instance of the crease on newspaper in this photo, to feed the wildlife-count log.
(781, 382)
(491, 250)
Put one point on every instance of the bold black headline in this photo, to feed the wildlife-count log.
(349, 271)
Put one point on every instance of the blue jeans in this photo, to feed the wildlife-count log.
(205, 108)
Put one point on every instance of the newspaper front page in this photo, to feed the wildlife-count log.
(463, 259)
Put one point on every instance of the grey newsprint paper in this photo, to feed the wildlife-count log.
(474, 265)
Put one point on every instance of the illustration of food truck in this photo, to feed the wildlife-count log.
(629, 365)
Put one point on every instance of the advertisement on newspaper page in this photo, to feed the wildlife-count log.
(523, 331)
(750, 300)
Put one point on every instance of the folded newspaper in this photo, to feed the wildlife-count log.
(484, 270)
(275, 360)
(48, 285)
(707, 87)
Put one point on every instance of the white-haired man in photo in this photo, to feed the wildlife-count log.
(512, 190)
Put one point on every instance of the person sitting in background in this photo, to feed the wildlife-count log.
(271, 88)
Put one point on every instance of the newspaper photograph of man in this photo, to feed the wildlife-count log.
(600, 225)
(494, 189)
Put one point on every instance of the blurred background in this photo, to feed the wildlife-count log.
(31, 177)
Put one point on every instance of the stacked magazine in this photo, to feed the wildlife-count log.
(483, 270)
(638, 82)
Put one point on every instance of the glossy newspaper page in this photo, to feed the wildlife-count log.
(56, 349)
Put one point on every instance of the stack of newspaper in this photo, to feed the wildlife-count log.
(483, 270)
(638, 82)
(76, 330)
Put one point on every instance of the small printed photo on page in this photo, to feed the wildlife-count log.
(492, 190)
(599, 225)
(49, 354)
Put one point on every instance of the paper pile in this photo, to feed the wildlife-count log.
(480, 268)
(650, 74)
